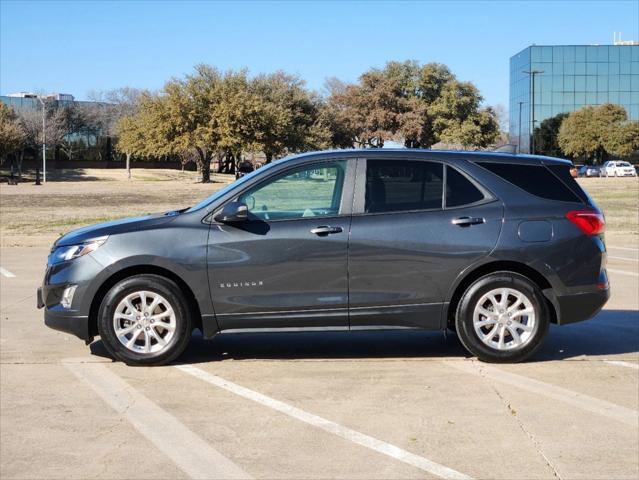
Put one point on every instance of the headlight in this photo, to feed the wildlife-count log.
(62, 254)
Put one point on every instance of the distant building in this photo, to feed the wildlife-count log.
(19, 100)
(567, 78)
(85, 143)
(66, 97)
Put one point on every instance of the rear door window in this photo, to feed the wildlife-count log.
(403, 185)
(534, 179)
(459, 190)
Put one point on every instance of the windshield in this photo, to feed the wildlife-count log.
(228, 188)
(623, 164)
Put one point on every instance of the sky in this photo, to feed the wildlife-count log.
(79, 47)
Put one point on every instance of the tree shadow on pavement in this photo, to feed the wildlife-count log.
(610, 332)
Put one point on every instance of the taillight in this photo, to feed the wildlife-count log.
(588, 221)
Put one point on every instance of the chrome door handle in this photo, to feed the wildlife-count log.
(467, 221)
(326, 230)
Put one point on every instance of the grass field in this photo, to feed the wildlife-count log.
(619, 200)
(37, 215)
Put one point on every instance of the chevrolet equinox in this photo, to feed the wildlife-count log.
(493, 246)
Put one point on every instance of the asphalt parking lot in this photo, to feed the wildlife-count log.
(320, 405)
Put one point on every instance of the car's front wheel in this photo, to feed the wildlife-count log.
(502, 317)
(144, 320)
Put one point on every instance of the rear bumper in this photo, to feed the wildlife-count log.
(578, 307)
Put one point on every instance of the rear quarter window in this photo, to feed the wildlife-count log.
(534, 179)
(563, 172)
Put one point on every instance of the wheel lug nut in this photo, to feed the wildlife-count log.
(148, 328)
(152, 320)
(139, 326)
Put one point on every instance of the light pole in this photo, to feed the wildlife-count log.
(532, 74)
(519, 133)
(44, 140)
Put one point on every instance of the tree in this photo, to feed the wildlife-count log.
(546, 136)
(240, 115)
(368, 110)
(131, 139)
(596, 132)
(622, 139)
(56, 121)
(180, 119)
(419, 105)
(104, 114)
(333, 114)
(290, 119)
(223, 116)
(12, 135)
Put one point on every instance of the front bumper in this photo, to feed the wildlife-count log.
(67, 321)
(72, 316)
(76, 325)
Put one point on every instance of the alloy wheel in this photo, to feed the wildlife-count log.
(505, 319)
(144, 322)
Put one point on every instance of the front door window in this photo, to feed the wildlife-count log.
(308, 191)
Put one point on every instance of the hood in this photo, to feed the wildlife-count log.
(124, 225)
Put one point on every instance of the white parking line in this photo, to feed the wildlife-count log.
(622, 272)
(623, 248)
(623, 364)
(196, 458)
(585, 402)
(344, 432)
(624, 258)
(6, 273)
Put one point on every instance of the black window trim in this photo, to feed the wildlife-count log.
(360, 187)
(345, 207)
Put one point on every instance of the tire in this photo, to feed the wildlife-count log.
(520, 338)
(161, 334)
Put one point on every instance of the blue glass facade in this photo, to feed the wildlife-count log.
(570, 77)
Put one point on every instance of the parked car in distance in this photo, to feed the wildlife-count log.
(244, 168)
(574, 171)
(494, 246)
(618, 169)
(589, 171)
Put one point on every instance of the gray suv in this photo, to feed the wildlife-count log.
(493, 246)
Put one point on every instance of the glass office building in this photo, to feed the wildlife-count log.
(87, 141)
(567, 78)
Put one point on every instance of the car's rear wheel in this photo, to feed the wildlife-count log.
(502, 317)
(144, 320)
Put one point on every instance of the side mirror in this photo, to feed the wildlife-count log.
(232, 212)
